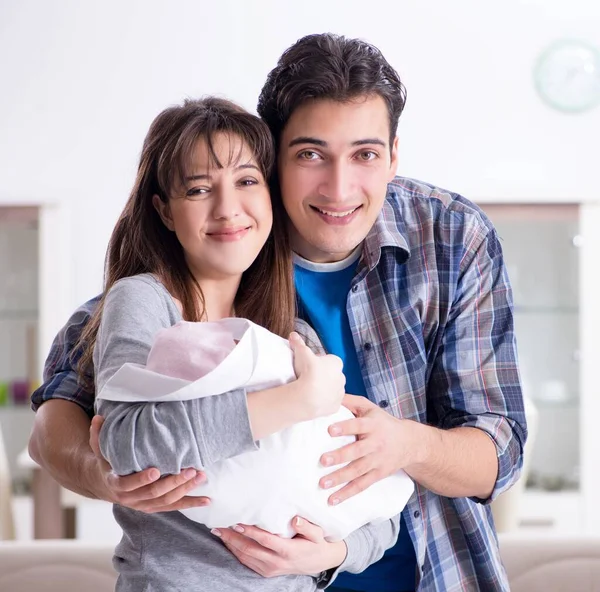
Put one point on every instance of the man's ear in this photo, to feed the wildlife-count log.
(164, 211)
(394, 159)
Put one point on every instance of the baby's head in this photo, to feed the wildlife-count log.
(190, 350)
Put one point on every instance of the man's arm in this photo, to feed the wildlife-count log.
(60, 440)
(443, 462)
(474, 396)
(60, 443)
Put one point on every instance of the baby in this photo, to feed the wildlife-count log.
(270, 486)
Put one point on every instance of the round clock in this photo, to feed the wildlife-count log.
(567, 76)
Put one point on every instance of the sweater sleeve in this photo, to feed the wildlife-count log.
(170, 436)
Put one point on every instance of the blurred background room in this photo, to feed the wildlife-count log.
(503, 107)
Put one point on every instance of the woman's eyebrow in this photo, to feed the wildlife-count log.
(208, 177)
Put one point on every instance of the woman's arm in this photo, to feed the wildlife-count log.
(172, 436)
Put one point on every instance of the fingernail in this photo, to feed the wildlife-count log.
(216, 532)
(154, 474)
(327, 460)
(189, 473)
(335, 430)
(238, 528)
(199, 479)
(327, 484)
(335, 501)
(299, 521)
(204, 502)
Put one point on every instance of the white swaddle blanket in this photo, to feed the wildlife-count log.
(270, 486)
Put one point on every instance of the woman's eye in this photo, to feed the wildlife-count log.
(248, 182)
(309, 155)
(197, 192)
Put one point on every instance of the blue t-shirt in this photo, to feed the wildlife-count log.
(322, 291)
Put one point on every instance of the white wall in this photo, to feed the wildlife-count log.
(81, 81)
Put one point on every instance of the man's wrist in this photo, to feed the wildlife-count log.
(426, 437)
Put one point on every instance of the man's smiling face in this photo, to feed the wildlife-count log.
(334, 166)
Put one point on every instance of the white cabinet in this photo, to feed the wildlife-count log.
(552, 254)
(19, 327)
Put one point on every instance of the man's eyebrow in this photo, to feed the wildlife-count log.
(204, 177)
(307, 140)
(323, 144)
(377, 141)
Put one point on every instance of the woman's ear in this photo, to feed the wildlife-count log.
(164, 211)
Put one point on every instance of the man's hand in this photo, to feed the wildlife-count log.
(384, 445)
(269, 555)
(145, 491)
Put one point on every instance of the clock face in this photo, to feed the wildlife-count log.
(567, 76)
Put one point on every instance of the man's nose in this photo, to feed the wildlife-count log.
(337, 187)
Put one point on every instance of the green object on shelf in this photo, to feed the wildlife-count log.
(3, 393)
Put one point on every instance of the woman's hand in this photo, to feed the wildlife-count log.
(269, 555)
(321, 382)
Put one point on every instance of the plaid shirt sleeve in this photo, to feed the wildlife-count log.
(60, 375)
(475, 378)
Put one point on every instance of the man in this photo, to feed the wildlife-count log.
(406, 283)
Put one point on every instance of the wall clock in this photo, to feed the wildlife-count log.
(567, 76)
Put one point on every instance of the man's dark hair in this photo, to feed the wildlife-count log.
(328, 66)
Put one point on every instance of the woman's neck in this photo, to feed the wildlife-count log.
(219, 297)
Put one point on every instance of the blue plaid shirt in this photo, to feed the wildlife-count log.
(430, 310)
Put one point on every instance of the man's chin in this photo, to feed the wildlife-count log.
(333, 252)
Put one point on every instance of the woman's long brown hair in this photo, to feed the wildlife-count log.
(141, 243)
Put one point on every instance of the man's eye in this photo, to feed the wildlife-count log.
(368, 155)
(308, 155)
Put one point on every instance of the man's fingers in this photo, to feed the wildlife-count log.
(95, 426)
(346, 454)
(353, 488)
(307, 530)
(189, 501)
(354, 470)
(351, 427)
(357, 404)
(147, 485)
(132, 482)
(170, 497)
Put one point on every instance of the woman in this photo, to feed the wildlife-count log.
(196, 241)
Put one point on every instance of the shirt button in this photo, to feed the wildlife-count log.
(355, 288)
(417, 514)
(368, 346)
(383, 404)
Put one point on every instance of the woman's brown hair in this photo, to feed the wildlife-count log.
(141, 243)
